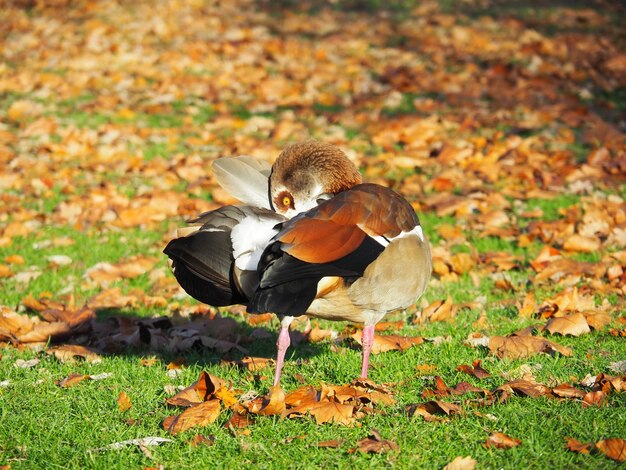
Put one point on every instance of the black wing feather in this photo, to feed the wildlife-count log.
(288, 285)
(203, 264)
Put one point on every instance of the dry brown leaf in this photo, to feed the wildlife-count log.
(317, 335)
(199, 440)
(329, 412)
(574, 324)
(546, 256)
(461, 463)
(198, 415)
(614, 448)
(594, 398)
(583, 244)
(435, 407)
(515, 347)
(567, 391)
(68, 352)
(71, 380)
(384, 343)
(475, 369)
(240, 418)
(597, 320)
(301, 396)
(501, 441)
(255, 364)
(201, 390)
(525, 388)
(123, 402)
(440, 310)
(332, 444)
(575, 445)
(375, 444)
(528, 307)
(274, 404)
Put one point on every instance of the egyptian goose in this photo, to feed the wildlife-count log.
(323, 244)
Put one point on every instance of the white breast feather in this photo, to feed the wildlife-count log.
(250, 237)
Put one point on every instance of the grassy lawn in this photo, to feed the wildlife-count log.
(510, 149)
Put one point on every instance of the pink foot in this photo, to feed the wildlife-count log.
(283, 343)
(367, 339)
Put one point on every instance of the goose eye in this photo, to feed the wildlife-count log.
(284, 201)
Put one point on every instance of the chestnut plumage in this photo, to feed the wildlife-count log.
(330, 247)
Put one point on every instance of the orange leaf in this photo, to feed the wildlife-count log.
(614, 448)
(123, 402)
(199, 415)
(502, 441)
(71, 380)
(575, 445)
(200, 391)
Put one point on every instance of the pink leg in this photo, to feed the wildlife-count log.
(367, 339)
(283, 343)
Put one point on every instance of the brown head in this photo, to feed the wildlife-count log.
(308, 172)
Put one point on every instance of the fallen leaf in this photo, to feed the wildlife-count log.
(515, 347)
(375, 444)
(326, 411)
(384, 343)
(594, 398)
(199, 415)
(434, 407)
(574, 324)
(332, 444)
(567, 391)
(226, 396)
(301, 395)
(618, 367)
(240, 418)
(201, 390)
(123, 402)
(475, 370)
(23, 364)
(199, 440)
(501, 441)
(68, 352)
(525, 388)
(461, 463)
(317, 335)
(614, 448)
(72, 380)
(575, 445)
(583, 244)
(274, 404)
(253, 364)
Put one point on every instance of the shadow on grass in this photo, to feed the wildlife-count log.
(207, 338)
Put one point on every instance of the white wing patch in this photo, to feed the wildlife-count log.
(416, 231)
(250, 237)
